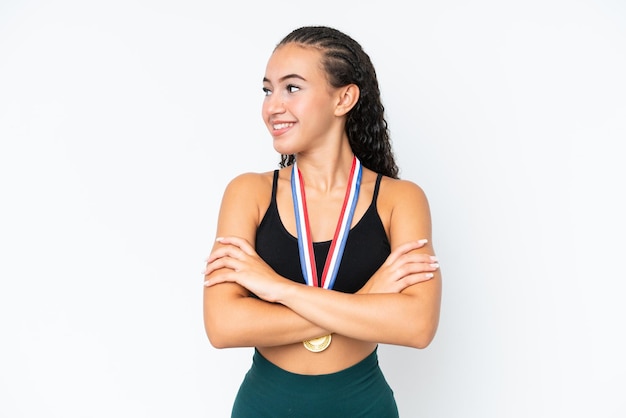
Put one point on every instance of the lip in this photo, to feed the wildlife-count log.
(280, 127)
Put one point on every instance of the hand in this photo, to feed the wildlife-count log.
(238, 262)
(402, 269)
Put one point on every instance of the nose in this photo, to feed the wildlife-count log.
(273, 104)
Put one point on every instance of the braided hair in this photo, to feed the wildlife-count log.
(345, 63)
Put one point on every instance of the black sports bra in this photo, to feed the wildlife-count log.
(367, 247)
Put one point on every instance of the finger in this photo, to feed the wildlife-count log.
(226, 251)
(405, 248)
(417, 258)
(415, 279)
(220, 278)
(409, 269)
(220, 263)
(243, 244)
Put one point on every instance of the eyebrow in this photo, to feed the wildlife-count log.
(285, 77)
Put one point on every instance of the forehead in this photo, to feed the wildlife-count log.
(294, 59)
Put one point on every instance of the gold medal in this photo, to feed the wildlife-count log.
(317, 345)
(305, 242)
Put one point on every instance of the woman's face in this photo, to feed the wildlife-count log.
(299, 103)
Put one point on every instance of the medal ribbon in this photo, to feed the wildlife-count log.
(305, 243)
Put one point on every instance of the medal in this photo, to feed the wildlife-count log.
(318, 344)
(305, 243)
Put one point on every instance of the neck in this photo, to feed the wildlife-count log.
(325, 171)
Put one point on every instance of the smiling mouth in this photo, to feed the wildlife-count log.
(282, 125)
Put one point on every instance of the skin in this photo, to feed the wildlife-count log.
(399, 305)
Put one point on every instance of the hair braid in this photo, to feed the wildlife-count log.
(345, 62)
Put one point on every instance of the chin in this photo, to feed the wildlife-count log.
(282, 149)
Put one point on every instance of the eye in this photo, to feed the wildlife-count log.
(292, 88)
(267, 91)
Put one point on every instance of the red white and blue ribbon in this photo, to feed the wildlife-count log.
(337, 246)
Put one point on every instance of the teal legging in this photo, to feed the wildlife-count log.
(358, 391)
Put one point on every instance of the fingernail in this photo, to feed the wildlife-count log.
(434, 265)
(429, 275)
(422, 241)
(206, 283)
(433, 258)
(219, 239)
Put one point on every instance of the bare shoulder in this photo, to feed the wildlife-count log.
(404, 209)
(250, 182)
(249, 187)
(402, 192)
(244, 202)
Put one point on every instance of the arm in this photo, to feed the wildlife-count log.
(407, 318)
(231, 317)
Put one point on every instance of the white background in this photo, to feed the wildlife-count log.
(122, 121)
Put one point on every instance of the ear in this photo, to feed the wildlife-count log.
(348, 96)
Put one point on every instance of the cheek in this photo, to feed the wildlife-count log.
(317, 113)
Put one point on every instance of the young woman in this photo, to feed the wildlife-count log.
(318, 262)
